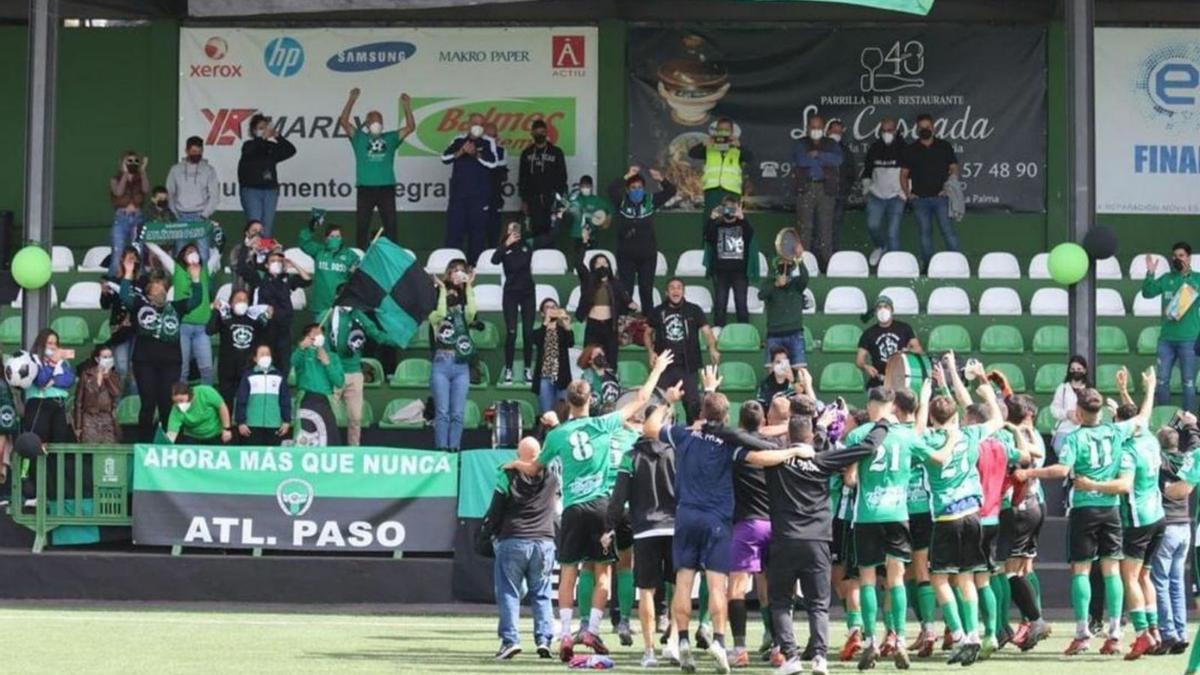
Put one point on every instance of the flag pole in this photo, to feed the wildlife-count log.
(328, 312)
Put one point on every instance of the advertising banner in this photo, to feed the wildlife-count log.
(1147, 118)
(295, 498)
(984, 86)
(300, 78)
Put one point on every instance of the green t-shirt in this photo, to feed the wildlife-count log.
(580, 208)
(1144, 506)
(202, 419)
(955, 485)
(883, 476)
(587, 449)
(331, 269)
(622, 447)
(1096, 453)
(1187, 327)
(374, 158)
(182, 284)
(1189, 470)
(918, 482)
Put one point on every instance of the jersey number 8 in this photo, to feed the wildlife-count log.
(581, 446)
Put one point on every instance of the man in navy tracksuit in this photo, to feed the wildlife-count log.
(473, 156)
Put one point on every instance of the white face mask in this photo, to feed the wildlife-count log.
(888, 137)
(476, 130)
(193, 258)
(239, 308)
(883, 314)
(837, 138)
(319, 341)
(585, 191)
(275, 268)
(816, 134)
(264, 363)
(183, 407)
(106, 362)
(50, 352)
(375, 128)
(260, 132)
(782, 367)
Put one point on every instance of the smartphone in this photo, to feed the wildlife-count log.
(67, 354)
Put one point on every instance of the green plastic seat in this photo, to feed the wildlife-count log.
(577, 329)
(841, 378)
(1045, 421)
(1050, 340)
(368, 414)
(518, 377)
(529, 414)
(1002, 339)
(632, 373)
(472, 416)
(1014, 374)
(373, 375)
(128, 410)
(420, 339)
(391, 408)
(1111, 340)
(1106, 378)
(1048, 377)
(739, 337)
(1147, 342)
(950, 337)
(10, 330)
(412, 373)
(810, 342)
(72, 330)
(841, 338)
(103, 333)
(1162, 416)
(485, 377)
(737, 376)
(488, 337)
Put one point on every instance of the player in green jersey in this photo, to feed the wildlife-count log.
(585, 447)
(1095, 452)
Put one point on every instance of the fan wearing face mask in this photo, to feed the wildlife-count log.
(332, 263)
(816, 162)
(120, 321)
(258, 179)
(1063, 405)
(374, 166)
(586, 211)
(453, 350)
(199, 416)
(927, 166)
(276, 283)
(46, 400)
(603, 298)
(883, 339)
(193, 331)
(1178, 289)
(881, 188)
(97, 393)
(731, 259)
(262, 409)
(637, 244)
(127, 190)
(472, 156)
(242, 328)
(780, 380)
(349, 331)
(193, 189)
(725, 161)
(543, 176)
(318, 374)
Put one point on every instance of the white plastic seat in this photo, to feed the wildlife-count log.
(82, 295)
(612, 258)
(948, 300)
(16, 304)
(572, 299)
(949, 265)
(898, 265)
(904, 300)
(1137, 266)
(1039, 266)
(754, 304)
(999, 265)
(93, 259)
(810, 301)
(1049, 302)
(1000, 301)
(660, 265)
(1109, 302)
(543, 291)
(303, 260)
(690, 264)
(224, 292)
(483, 265)
(1108, 269)
(440, 257)
(845, 300)
(489, 298)
(61, 259)
(1143, 306)
(359, 252)
(810, 261)
(848, 265)
(698, 295)
(548, 261)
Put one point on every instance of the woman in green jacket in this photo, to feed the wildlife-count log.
(317, 375)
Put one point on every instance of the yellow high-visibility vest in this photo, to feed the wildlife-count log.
(723, 170)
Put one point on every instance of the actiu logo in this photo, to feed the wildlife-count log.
(370, 57)
(225, 124)
(295, 496)
(567, 51)
(283, 57)
(439, 120)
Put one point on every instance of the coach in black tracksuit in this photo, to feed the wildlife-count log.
(543, 175)
(637, 247)
(801, 530)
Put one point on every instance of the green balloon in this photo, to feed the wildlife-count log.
(1068, 263)
(31, 267)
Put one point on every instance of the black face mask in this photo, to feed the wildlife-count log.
(1077, 377)
(925, 134)
(602, 272)
(600, 362)
(539, 139)
(1177, 264)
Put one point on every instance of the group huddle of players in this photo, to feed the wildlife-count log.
(927, 498)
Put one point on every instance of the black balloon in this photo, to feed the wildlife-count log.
(1100, 242)
(28, 445)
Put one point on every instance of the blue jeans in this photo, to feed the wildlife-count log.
(1166, 571)
(194, 344)
(1170, 351)
(548, 394)
(122, 353)
(201, 244)
(926, 210)
(879, 209)
(794, 344)
(259, 204)
(123, 227)
(524, 566)
(449, 382)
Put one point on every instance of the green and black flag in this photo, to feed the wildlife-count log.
(391, 289)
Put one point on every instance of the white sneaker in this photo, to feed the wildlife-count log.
(718, 652)
(648, 660)
(873, 259)
(671, 652)
(686, 662)
(791, 667)
(820, 666)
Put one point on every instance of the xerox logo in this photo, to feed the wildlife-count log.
(283, 57)
(215, 49)
(225, 124)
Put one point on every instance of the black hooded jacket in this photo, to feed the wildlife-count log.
(646, 480)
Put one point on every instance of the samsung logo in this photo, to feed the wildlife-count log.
(371, 57)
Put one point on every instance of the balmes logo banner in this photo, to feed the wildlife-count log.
(1147, 120)
(320, 499)
(300, 78)
(984, 86)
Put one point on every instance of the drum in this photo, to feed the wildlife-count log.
(907, 370)
(506, 429)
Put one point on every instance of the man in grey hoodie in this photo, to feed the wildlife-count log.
(194, 190)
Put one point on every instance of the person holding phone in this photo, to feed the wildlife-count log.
(731, 259)
(127, 190)
(46, 399)
(96, 396)
(263, 408)
(516, 256)
(453, 349)
(552, 366)
(318, 374)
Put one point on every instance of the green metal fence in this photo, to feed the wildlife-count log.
(76, 485)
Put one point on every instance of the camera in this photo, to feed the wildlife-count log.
(133, 164)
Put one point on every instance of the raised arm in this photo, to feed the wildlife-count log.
(630, 409)
(168, 263)
(410, 121)
(344, 117)
(995, 419)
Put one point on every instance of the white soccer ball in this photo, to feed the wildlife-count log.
(20, 370)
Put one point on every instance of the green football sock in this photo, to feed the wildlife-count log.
(885, 611)
(1081, 597)
(703, 600)
(1152, 617)
(1114, 594)
(1032, 578)
(958, 599)
(970, 616)
(987, 599)
(910, 591)
(625, 593)
(899, 609)
(583, 593)
(870, 607)
(951, 616)
(1194, 655)
(927, 601)
(1000, 587)
(1138, 618)
(853, 620)
(765, 613)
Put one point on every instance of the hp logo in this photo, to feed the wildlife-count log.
(283, 57)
